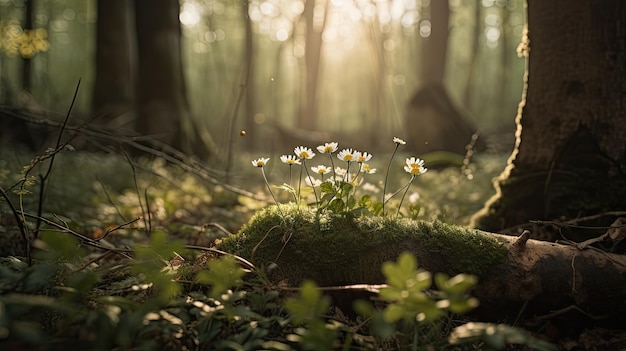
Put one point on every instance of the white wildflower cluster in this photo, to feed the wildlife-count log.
(336, 177)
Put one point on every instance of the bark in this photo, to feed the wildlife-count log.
(544, 278)
(570, 154)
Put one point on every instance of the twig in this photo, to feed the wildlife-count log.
(136, 183)
(155, 148)
(44, 178)
(222, 253)
(109, 198)
(20, 223)
(566, 224)
(65, 229)
(109, 231)
(219, 227)
(149, 221)
(567, 309)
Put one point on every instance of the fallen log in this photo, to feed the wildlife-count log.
(515, 273)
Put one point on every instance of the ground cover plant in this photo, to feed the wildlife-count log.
(122, 255)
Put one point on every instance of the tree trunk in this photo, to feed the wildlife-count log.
(570, 156)
(161, 101)
(435, 48)
(314, 28)
(433, 121)
(114, 86)
(27, 64)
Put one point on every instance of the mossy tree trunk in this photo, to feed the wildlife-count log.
(515, 273)
(570, 155)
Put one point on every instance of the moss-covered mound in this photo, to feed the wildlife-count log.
(335, 250)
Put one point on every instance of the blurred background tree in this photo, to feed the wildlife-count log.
(284, 71)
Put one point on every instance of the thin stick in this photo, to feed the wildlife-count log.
(44, 178)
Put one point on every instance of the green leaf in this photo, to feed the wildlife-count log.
(327, 187)
(458, 284)
(337, 206)
(463, 305)
(351, 202)
(222, 274)
(365, 201)
(393, 313)
(309, 304)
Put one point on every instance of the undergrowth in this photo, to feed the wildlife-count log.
(118, 255)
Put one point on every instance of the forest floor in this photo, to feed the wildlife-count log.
(98, 195)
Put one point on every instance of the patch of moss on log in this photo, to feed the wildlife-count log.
(336, 250)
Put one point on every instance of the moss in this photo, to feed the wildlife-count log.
(335, 250)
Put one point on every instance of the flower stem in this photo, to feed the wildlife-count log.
(299, 185)
(403, 195)
(269, 188)
(312, 184)
(295, 196)
(387, 176)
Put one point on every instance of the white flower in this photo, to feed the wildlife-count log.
(328, 148)
(321, 169)
(340, 172)
(370, 187)
(304, 152)
(260, 162)
(347, 155)
(415, 166)
(415, 170)
(290, 160)
(414, 162)
(399, 141)
(363, 157)
(365, 168)
(312, 182)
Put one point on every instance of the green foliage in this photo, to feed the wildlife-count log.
(76, 296)
(497, 337)
(221, 275)
(406, 292)
(415, 313)
(149, 263)
(307, 309)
